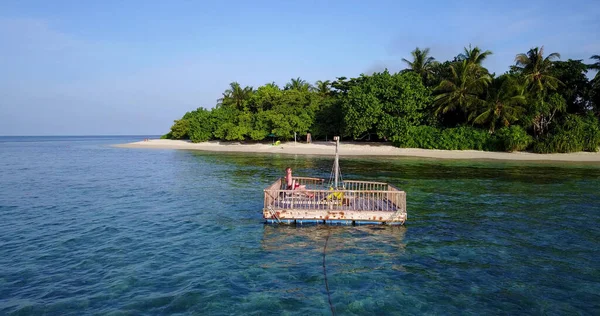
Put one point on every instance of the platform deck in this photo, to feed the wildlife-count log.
(359, 202)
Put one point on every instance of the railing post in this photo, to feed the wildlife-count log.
(337, 161)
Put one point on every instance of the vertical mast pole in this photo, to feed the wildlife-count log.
(336, 164)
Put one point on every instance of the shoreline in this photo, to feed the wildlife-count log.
(358, 149)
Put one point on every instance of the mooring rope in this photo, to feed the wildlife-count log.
(325, 272)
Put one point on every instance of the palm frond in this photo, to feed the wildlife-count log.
(553, 56)
(484, 117)
(522, 60)
(595, 65)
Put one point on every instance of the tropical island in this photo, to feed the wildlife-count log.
(540, 105)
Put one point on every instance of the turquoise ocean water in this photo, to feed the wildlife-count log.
(86, 228)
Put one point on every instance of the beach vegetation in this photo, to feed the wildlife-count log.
(540, 104)
(513, 138)
(422, 64)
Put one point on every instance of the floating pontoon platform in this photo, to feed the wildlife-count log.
(344, 203)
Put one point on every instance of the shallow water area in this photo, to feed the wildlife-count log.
(89, 228)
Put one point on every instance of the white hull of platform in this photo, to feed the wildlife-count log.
(339, 217)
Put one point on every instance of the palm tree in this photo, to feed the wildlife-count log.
(236, 95)
(474, 55)
(297, 84)
(272, 85)
(422, 63)
(595, 65)
(462, 90)
(503, 105)
(323, 88)
(537, 69)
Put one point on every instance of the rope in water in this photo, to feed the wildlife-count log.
(325, 272)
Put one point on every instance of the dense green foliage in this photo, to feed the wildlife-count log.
(541, 104)
(384, 105)
(513, 138)
(575, 133)
(459, 138)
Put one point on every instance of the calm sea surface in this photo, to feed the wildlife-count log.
(86, 228)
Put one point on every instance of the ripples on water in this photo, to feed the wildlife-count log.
(85, 227)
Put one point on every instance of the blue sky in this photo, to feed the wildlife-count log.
(132, 67)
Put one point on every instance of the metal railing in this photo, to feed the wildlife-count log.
(364, 196)
(365, 185)
(310, 183)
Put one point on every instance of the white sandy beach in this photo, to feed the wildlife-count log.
(357, 149)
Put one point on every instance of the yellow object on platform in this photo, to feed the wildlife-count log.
(336, 195)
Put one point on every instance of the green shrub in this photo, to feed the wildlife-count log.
(199, 134)
(258, 135)
(463, 138)
(460, 138)
(561, 142)
(180, 129)
(200, 126)
(513, 138)
(573, 133)
(417, 137)
(591, 134)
